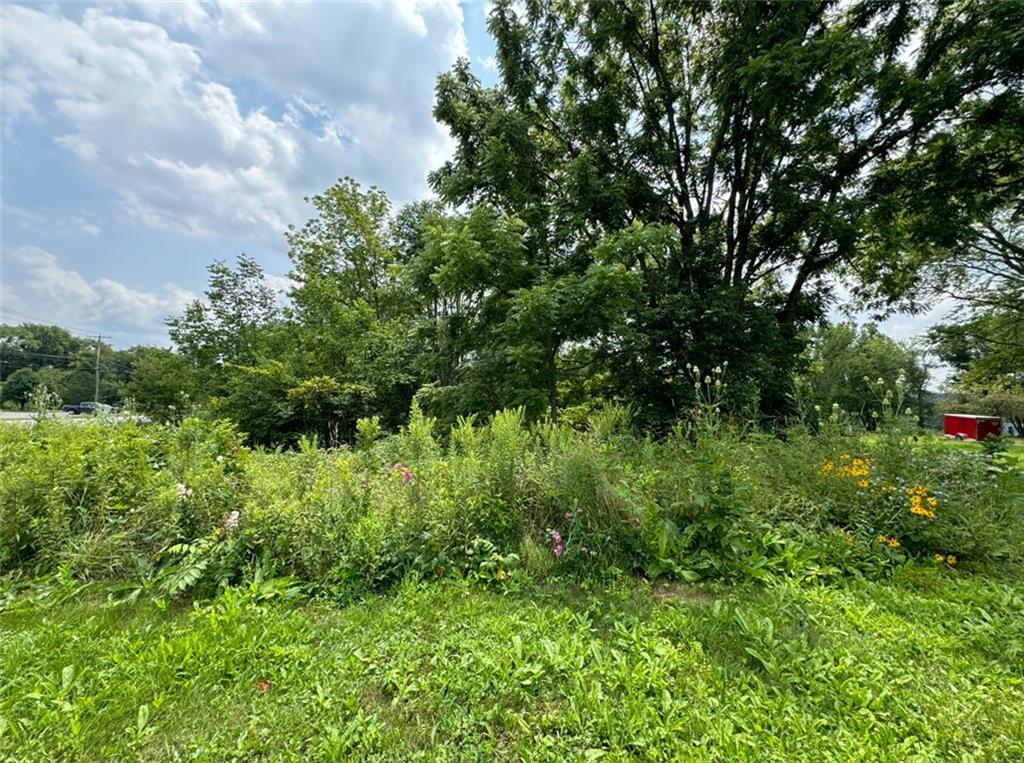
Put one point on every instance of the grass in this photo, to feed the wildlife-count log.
(928, 665)
(1014, 452)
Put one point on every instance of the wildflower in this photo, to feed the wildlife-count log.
(231, 522)
(593, 552)
(220, 459)
(933, 502)
(407, 476)
(826, 468)
(707, 380)
(863, 483)
(568, 515)
(559, 550)
(184, 492)
(940, 558)
(556, 537)
(817, 409)
(263, 686)
(890, 542)
(439, 570)
(951, 560)
(579, 511)
(635, 521)
(502, 575)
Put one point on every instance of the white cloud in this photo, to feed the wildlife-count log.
(36, 221)
(51, 293)
(217, 118)
(490, 63)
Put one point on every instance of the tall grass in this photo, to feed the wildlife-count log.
(185, 506)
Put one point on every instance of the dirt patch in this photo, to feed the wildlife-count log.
(683, 592)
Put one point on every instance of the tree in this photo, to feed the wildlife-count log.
(754, 145)
(163, 384)
(498, 317)
(854, 368)
(33, 345)
(225, 327)
(19, 386)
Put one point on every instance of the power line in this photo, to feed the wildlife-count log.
(22, 316)
(46, 322)
(108, 361)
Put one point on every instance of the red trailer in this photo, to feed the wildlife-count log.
(964, 426)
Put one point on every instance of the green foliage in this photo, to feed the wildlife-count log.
(462, 671)
(185, 507)
(844, 368)
(18, 387)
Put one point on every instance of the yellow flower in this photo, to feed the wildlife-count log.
(893, 543)
(863, 483)
(827, 467)
(950, 560)
(933, 502)
(501, 575)
(940, 558)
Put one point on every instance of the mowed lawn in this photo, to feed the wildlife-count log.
(926, 666)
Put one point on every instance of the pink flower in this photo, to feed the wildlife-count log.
(568, 515)
(407, 476)
(556, 537)
(559, 550)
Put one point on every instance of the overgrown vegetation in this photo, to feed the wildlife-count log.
(188, 507)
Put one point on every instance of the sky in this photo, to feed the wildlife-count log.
(143, 140)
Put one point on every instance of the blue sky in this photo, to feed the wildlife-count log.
(142, 140)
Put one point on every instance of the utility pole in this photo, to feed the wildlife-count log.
(96, 397)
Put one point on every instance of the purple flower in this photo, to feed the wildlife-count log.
(568, 515)
(556, 537)
(407, 476)
(559, 550)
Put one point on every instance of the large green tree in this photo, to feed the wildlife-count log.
(737, 154)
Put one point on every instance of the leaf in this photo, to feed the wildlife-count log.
(142, 719)
(67, 676)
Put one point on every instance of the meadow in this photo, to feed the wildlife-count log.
(510, 591)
